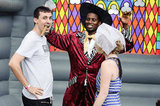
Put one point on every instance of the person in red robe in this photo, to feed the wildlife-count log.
(84, 59)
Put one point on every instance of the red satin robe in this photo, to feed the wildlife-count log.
(77, 94)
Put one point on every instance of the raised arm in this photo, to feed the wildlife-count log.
(60, 41)
(126, 30)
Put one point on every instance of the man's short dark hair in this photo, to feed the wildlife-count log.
(40, 9)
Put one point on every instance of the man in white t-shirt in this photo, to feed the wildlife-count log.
(36, 72)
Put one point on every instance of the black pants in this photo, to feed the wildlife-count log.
(40, 102)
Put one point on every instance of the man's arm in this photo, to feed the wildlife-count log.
(14, 64)
(126, 30)
(60, 41)
(128, 38)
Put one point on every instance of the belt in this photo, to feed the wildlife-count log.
(48, 100)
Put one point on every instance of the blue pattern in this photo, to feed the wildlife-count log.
(113, 98)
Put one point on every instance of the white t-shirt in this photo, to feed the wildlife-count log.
(36, 66)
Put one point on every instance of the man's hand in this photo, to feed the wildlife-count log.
(35, 91)
(125, 18)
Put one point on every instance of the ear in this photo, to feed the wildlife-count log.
(35, 20)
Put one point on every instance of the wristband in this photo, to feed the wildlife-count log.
(27, 86)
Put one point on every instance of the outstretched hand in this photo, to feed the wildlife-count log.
(125, 18)
(35, 91)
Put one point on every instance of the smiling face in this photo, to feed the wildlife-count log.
(44, 19)
(91, 23)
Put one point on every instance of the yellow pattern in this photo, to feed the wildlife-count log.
(151, 16)
(142, 0)
(66, 27)
(62, 13)
(115, 3)
(101, 2)
(150, 31)
(62, 1)
(61, 28)
(145, 31)
(144, 46)
(152, 2)
(155, 32)
(154, 47)
(149, 47)
(56, 27)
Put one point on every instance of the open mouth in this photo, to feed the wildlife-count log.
(47, 26)
(89, 26)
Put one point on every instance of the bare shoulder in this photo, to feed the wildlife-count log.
(108, 62)
(107, 68)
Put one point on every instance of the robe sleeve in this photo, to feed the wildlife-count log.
(60, 41)
(128, 38)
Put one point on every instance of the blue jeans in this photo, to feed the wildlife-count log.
(40, 102)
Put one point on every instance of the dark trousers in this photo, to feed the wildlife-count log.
(39, 102)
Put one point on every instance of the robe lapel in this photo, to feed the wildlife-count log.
(82, 37)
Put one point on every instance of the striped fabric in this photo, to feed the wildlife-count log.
(112, 98)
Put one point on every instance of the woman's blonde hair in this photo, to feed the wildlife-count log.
(117, 50)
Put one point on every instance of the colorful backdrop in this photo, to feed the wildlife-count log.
(144, 25)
